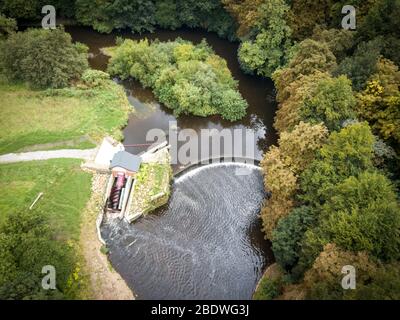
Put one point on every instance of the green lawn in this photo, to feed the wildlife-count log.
(30, 118)
(66, 190)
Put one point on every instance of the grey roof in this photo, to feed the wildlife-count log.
(126, 160)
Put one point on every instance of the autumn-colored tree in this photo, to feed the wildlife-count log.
(288, 113)
(379, 103)
(246, 13)
(323, 280)
(311, 57)
(306, 14)
(298, 147)
(281, 167)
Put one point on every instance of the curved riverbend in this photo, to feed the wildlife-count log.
(205, 243)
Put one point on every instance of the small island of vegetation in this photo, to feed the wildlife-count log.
(187, 78)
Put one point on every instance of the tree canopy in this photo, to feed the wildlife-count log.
(43, 58)
(190, 79)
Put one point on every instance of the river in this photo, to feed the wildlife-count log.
(206, 242)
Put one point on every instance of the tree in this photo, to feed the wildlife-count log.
(43, 58)
(20, 9)
(288, 235)
(166, 15)
(288, 113)
(363, 215)
(311, 57)
(306, 14)
(331, 102)
(379, 103)
(323, 280)
(299, 146)
(246, 13)
(359, 67)
(107, 15)
(281, 167)
(346, 153)
(26, 245)
(339, 41)
(267, 51)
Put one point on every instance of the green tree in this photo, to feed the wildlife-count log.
(339, 41)
(363, 215)
(288, 235)
(346, 153)
(359, 67)
(43, 58)
(267, 51)
(331, 102)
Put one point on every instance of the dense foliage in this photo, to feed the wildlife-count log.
(26, 246)
(190, 79)
(42, 58)
(142, 16)
(340, 207)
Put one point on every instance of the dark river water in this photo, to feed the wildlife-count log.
(206, 242)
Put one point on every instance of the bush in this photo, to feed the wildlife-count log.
(7, 26)
(267, 290)
(94, 78)
(43, 58)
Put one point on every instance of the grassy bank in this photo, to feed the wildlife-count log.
(46, 235)
(68, 118)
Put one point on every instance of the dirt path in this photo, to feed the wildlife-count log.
(105, 283)
(45, 155)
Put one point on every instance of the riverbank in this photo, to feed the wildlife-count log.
(105, 282)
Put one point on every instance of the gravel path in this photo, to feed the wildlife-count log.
(86, 154)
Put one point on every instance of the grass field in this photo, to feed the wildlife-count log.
(30, 118)
(66, 190)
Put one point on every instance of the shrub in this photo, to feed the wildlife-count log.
(267, 290)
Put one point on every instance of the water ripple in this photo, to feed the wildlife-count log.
(205, 244)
